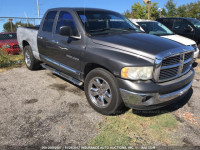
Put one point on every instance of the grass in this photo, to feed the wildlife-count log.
(9, 61)
(131, 130)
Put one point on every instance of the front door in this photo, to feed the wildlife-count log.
(67, 50)
(184, 28)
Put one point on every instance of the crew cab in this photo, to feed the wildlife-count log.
(157, 28)
(118, 65)
(8, 43)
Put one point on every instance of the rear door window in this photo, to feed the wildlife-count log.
(49, 20)
(167, 22)
(180, 24)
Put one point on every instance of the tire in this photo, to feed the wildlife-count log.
(29, 59)
(101, 82)
(199, 49)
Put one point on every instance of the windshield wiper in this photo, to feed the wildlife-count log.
(129, 29)
(100, 30)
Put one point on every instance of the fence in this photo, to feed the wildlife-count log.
(8, 39)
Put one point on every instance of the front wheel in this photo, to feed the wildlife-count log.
(102, 92)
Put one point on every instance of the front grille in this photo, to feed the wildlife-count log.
(171, 60)
(168, 73)
(15, 46)
(175, 66)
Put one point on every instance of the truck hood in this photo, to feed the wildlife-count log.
(180, 39)
(137, 43)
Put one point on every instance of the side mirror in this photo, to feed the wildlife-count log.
(66, 31)
(188, 29)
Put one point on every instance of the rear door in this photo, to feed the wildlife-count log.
(45, 36)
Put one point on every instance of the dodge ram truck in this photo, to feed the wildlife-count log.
(118, 65)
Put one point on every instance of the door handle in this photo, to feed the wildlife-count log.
(63, 48)
(53, 41)
(40, 37)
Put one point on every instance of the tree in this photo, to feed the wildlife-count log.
(193, 9)
(141, 11)
(128, 14)
(182, 11)
(7, 27)
(154, 11)
(163, 12)
(171, 8)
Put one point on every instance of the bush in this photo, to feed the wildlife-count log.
(7, 60)
(4, 59)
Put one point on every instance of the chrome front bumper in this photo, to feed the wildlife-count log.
(132, 99)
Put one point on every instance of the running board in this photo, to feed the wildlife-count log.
(79, 83)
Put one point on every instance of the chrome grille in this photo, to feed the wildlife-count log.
(168, 73)
(171, 60)
(175, 66)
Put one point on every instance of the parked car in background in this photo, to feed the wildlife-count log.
(8, 43)
(157, 28)
(187, 27)
(117, 64)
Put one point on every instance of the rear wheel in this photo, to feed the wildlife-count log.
(30, 61)
(102, 92)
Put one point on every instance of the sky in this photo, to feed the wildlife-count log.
(23, 8)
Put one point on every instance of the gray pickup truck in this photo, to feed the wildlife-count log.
(118, 65)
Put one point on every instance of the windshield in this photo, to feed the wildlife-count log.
(195, 22)
(8, 36)
(155, 28)
(105, 22)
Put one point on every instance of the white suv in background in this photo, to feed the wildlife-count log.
(156, 28)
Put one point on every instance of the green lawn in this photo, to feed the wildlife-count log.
(131, 130)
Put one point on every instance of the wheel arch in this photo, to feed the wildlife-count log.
(25, 43)
(91, 66)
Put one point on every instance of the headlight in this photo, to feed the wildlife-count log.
(196, 53)
(137, 73)
(6, 46)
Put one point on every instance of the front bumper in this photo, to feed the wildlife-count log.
(149, 95)
(12, 51)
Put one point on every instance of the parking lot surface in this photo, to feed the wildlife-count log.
(39, 108)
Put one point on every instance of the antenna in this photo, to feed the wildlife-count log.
(38, 10)
(26, 18)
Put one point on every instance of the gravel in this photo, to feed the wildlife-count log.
(40, 109)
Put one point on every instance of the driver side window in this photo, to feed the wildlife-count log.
(66, 19)
(180, 24)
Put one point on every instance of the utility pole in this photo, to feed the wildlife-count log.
(11, 25)
(148, 2)
(149, 10)
(38, 10)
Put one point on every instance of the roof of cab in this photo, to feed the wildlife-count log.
(78, 9)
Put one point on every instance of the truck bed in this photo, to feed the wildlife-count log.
(28, 34)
